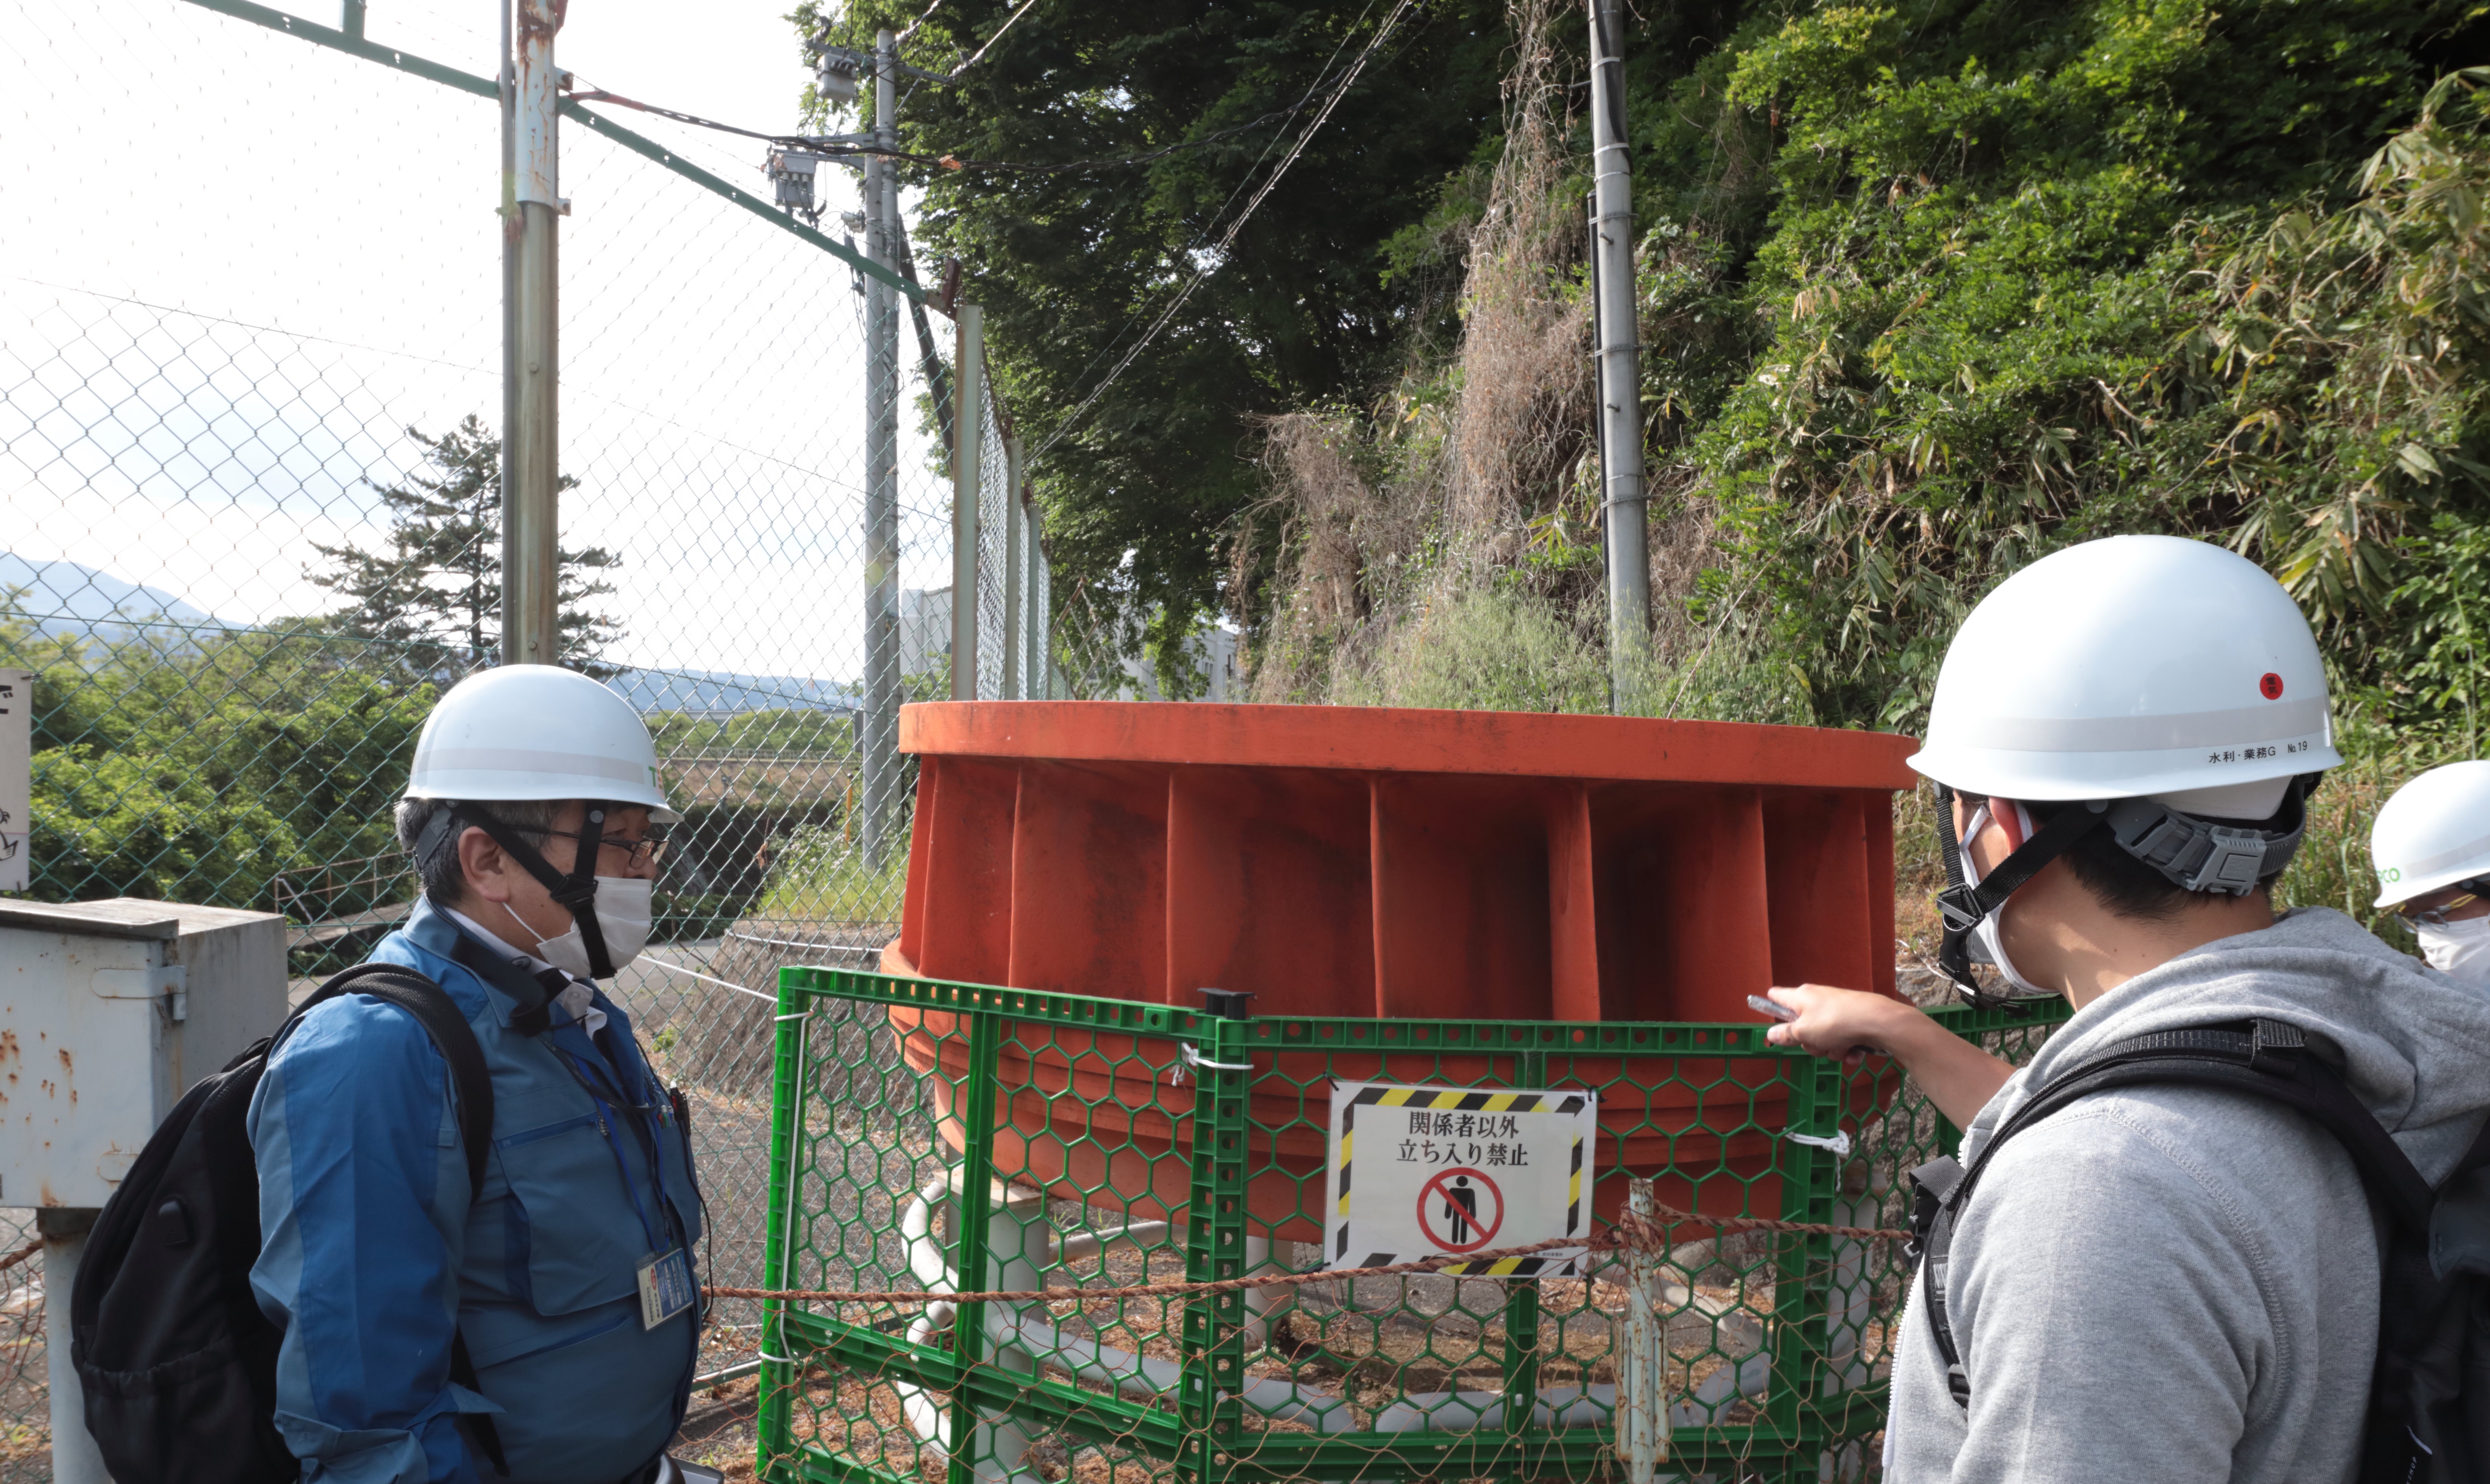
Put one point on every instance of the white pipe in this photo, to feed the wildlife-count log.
(1071, 1246)
(1461, 1411)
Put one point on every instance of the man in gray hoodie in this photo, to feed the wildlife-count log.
(2154, 1283)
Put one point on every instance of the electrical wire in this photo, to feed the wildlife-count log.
(920, 20)
(1073, 418)
(1025, 6)
(815, 145)
(1322, 75)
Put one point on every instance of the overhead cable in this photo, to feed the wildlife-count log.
(1228, 238)
(836, 148)
(1015, 16)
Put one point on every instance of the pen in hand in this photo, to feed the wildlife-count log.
(1771, 1007)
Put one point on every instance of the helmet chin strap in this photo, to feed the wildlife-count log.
(2191, 854)
(1963, 906)
(576, 892)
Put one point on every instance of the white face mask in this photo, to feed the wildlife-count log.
(1986, 947)
(2459, 949)
(624, 914)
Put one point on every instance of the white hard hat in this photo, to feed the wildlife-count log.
(2136, 666)
(536, 732)
(2433, 833)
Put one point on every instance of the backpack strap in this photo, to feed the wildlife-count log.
(414, 992)
(2261, 1057)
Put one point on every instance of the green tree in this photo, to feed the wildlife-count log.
(435, 591)
(1072, 267)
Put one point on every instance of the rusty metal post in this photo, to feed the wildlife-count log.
(878, 739)
(1015, 586)
(968, 490)
(1642, 1369)
(531, 605)
(1614, 327)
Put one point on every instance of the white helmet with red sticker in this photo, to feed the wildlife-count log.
(2136, 666)
(2166, 691)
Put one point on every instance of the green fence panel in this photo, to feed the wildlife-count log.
(950, 1137)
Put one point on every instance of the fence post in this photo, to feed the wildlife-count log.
(1642, 1401)
(529, 606)
(1614, 324)
(1015, 587)
(967, 489)
(880, 739)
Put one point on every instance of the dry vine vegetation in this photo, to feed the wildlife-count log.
(1384, 523)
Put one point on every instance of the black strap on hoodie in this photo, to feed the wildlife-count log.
(2263, 1057)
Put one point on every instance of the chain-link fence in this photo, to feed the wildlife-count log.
(251, 415)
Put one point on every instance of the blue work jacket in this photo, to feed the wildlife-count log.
(374, 1250)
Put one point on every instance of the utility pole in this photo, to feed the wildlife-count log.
(513, 644)
(1016, 589)
(882, 658)
(967, 487)
(1034, 625)
(1620, 380)
(530, 607)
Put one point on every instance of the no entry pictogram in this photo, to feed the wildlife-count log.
(1461, 1210)
(1419, 1172)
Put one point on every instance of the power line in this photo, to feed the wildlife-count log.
(1227, 240)
(829, 149)
(1322, 75)
(1015, 16)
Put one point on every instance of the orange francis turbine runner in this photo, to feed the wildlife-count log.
(1376, 862)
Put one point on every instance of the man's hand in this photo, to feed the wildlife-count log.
(1844, 1023)
(1958, 1076)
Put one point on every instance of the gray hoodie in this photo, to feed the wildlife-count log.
(2179, 1284)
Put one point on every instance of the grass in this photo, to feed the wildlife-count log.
(818, 875)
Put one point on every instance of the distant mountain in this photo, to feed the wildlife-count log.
(80, 601)
(722, 692)
(71, 599)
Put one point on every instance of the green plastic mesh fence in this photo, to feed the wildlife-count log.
(943, 1138)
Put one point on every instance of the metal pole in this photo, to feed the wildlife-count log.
(1642, 1410)
(1015, 588)
(968, 488)
(513, 642)
(1040, 591)
(881, 656)
(75, 1459)
(529, 585)
(1620, 381)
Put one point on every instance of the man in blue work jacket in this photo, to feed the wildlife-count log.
(557, 1301)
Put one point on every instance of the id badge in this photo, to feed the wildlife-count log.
(665, 1287)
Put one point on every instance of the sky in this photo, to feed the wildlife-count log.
(238, 268)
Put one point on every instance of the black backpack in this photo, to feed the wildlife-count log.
(2429, 1399)
(178, 1363)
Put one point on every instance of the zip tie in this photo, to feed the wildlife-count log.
(1197, 1059)
(1838, 1142)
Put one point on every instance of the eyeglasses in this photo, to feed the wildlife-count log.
(648, 850)
(2436, 916)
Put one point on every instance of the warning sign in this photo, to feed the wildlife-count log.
(1426, 1172)
(17, 737)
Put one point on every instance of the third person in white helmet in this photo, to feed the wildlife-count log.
(2150, 1282)
(2431, 845)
